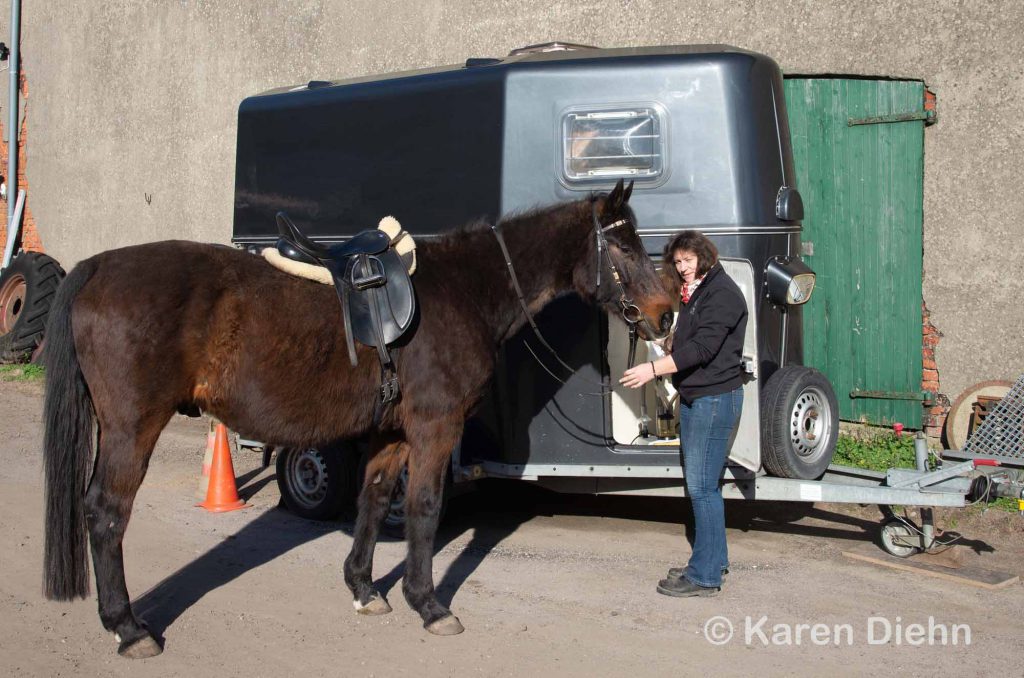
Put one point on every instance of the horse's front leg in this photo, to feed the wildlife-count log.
(428, 463)
(382, 469)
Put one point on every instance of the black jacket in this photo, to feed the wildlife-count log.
(707, 345)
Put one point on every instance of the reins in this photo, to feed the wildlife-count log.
(631, 313)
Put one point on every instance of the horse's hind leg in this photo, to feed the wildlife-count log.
(121, 462)
(428, 463)
(382, 471)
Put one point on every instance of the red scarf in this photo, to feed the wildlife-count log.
(684, 291)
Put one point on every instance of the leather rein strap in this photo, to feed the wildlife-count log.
(631, 313)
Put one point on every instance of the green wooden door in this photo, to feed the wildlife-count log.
(860, 166)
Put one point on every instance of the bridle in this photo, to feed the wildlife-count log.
(631, 313)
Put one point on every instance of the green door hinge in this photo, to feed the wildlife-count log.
(927, 116)
(924, 396)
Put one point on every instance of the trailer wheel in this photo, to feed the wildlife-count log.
(316, 484)
(899, 539)
(799, 423)
(394, 519)
(27, 288)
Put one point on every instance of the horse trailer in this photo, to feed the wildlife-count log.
(703, 133)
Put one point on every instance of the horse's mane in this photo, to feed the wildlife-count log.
(463, 235)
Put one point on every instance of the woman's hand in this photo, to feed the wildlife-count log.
(637, 376)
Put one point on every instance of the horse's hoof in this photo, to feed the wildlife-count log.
(446, 626)
(141, 648)
(376, 606)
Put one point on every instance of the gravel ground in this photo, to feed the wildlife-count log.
(545, 585)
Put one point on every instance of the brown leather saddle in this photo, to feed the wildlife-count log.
(378, 301)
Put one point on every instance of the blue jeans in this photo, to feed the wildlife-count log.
(706, 431)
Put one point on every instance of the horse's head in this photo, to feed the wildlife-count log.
(620, 275)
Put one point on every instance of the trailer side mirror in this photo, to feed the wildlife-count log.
(788, 280)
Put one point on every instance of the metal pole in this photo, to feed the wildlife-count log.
(927, 519)
(921, 452)
(12, 230)
(785, 331)
(13, 132)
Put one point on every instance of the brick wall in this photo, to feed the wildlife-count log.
(29, 234)
(935, 412)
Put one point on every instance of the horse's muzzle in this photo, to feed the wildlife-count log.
(652, 331)
(666, 323)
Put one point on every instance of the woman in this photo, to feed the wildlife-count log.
(706, 367)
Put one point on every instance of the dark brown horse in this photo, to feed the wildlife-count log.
(137, 333)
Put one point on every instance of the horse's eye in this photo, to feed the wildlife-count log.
(625, 249)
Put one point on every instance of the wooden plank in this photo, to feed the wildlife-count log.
(927, 565)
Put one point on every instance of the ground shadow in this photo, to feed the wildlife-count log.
(247, 490)
(272, 534)
(492, 515)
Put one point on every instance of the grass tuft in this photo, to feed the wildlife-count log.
(878, 453)
(22, 372)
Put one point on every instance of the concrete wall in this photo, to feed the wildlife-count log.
(131, 111)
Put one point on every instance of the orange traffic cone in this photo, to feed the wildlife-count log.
(222, 494)
(204, 478)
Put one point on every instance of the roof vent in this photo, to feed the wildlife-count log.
(550, 47)
(477, 62)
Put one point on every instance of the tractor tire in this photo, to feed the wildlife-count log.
(27, 288)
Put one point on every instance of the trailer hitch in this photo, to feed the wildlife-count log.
(901, 537)
(1003, 484)
(934, 480)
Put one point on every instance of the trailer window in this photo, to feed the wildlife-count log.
(599, 145)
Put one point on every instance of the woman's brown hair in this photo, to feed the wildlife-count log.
(689, 241)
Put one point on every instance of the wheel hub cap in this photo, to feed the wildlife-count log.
(308, 477)
(810, 423)
(12, 301)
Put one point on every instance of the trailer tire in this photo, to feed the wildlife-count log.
(317, 484)
(27, 288)
(394, 520)
(799, 423)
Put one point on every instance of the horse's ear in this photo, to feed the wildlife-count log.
(616, 198)
(629, 192)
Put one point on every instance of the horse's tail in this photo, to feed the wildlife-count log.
(68, 441)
